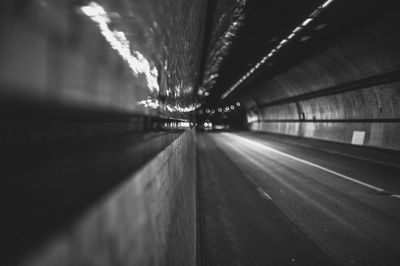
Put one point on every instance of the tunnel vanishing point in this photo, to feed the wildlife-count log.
(199, 132)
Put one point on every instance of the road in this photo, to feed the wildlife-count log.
(266, 202)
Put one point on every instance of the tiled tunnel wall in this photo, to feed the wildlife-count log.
(341, 94)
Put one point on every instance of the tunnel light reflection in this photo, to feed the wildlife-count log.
(324, 5)
(282, 43)
(155, 104)
(306, 22)
(149, 102)
(118, 41)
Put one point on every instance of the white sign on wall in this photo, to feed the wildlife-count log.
(358, 137)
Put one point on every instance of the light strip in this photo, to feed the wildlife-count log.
(118, 41)
(327, 3)
(306, 22)
(283, 42)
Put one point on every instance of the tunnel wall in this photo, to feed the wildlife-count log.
(56, 55)
(85, 89)
(340, 94)
(150, 219)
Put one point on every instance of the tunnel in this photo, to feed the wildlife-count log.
(199, 132)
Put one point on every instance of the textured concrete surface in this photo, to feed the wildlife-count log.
(54, 54)
(147, 220)
(370, 52)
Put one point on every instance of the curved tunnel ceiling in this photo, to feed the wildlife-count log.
(266, 23)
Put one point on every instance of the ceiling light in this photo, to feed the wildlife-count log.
(327, 3)
(283, 41)
(297, 29)
(315, 13)
(306, 22)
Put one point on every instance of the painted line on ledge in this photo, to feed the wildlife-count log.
(395, 196)
(254, 143)
(263, 194)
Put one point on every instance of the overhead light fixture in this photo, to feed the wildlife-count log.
(297, 29)
(306, 22)
(293, 34)
(283, 41)
(327, 3)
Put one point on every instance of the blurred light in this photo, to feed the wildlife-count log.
(315, 13)
(185, 124)
(232, 107)
(118, 41)
(180, 109)
(219, 110)
(320, 26)
(212, 111)
(227, 108)
(237, 103)
(283, 42)
(297, 29)
(206, 93)
(307, 21)
(207, 124)
(327, 3)
(305, 38)
(149, 102)
(207, 111)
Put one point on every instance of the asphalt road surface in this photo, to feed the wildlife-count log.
(267, 202)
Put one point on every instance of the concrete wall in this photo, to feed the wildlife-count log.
(369, 110)
(148, 220)
(85, 89)
(53, 54)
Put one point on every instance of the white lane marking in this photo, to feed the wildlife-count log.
(263, 194)
(311, 164)
(260, 191)
(395, 196)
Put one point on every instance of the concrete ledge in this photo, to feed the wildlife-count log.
(148, 220)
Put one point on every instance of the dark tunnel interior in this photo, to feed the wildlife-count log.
(199, 132)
